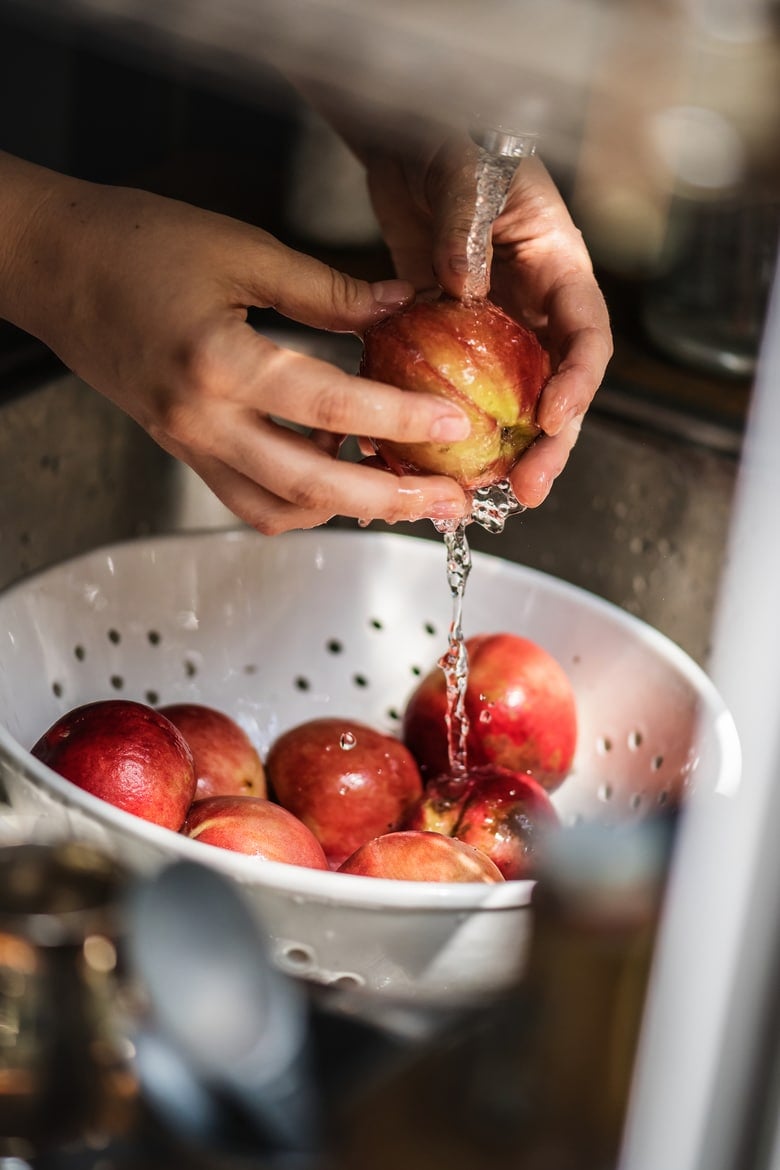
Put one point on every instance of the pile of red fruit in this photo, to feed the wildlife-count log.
(336, 794)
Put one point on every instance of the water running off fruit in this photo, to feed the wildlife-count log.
(490, 506)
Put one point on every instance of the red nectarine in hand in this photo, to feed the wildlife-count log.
(127, 754)
(475, 355)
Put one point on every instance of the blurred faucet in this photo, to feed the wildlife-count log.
(500, 142)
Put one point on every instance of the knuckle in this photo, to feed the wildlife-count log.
(197, 365)
(193, 385)
(312, 495)
(332, 408)
(177, 421)
(276, 520)
(412, 418)
(271, 522)
(345, 292)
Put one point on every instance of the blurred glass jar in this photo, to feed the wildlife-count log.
(64, 1069)
(706, 306)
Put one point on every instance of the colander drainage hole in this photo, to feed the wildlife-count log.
(603, 745)
(117, 682)
(154, 637)
(57, 689)
(634, 740)
(347, 979)
(656, 763)
(376, 624)
(360, 680)
(333, 646)
(605, 792)
(302, 684)
(79, 653)
(298, 956)
(153, 698)
(635, 801)
(430, 628)
(114, 637)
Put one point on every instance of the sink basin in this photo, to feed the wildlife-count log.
(639, 516)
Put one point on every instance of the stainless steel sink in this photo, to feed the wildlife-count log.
(639, 516)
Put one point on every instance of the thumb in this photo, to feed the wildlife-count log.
(313, 293)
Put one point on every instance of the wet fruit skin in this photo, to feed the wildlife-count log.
(520, 705)
(346, 781)
(226, 761)
(438, 809)
(476, 356)
(507, 816)
(127, 754)
(423, 857)
(254, 826)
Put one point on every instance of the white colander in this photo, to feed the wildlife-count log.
(278, 630)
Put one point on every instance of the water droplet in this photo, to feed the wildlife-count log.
(485, 716)
(347, 741)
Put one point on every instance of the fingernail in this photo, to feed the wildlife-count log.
(542, 485)
(446, 510)
(392, 292)
(447, 428)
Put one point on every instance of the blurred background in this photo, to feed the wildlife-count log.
(659, 120)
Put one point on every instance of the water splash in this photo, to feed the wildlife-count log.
(492, 506)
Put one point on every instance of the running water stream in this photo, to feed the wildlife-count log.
(494, 176)
(490, 506)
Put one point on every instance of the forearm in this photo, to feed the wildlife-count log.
(32, 255)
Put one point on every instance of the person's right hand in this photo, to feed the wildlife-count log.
(537, 269)
(146, 300)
